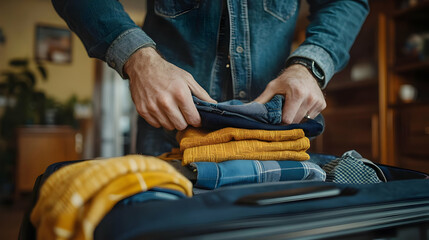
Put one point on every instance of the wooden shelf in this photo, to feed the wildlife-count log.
(345, 110)
(352, 85)
(370, 110)
(408, 105)
(409, 67)
(407, 12)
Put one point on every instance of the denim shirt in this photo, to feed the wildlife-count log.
(270, 112)
(185, 32)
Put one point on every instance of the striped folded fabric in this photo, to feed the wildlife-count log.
(200, 145)
(211, 175)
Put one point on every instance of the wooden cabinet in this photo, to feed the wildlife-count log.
(353, 128)
(412, 138)
(352, 115)
(372, 115)
(413, 131)
(408, 67)
(40, 146)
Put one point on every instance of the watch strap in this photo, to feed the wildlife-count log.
(312, 67)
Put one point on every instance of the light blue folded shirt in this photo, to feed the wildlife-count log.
(212, 175)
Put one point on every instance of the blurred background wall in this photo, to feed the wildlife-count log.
(92, 102)
(18, 19)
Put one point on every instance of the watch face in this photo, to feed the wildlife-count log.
(317, 72)
(311, 66)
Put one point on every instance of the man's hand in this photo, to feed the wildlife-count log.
(162, 92)
(302, 94)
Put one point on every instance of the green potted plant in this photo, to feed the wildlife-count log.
(22, 104)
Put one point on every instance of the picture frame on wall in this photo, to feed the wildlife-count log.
(53, 44)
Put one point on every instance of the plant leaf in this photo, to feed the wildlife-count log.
(19, 62)
(39, 97)
(30, 78)
(23, 86)
(43, 72)
(3, 88)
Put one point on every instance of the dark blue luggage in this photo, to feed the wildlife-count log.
(397, 209)
(218, 215)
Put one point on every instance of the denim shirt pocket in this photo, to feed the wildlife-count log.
(174, 8)
(281, 9)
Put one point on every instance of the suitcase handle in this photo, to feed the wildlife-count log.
(294, 194)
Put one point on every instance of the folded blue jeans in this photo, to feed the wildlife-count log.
(211, 175)
(235, 113)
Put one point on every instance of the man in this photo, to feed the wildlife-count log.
(216, 50)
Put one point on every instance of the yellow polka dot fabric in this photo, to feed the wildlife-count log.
(198, 145)
(74, 199)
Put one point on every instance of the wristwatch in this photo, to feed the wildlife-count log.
(312, 67)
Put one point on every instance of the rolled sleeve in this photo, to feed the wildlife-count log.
(320, 56)
(333, 28)
(124, 46)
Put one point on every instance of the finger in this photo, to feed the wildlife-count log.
(183, 111)
(313, 112)
(290, 110)
(152, 121)
(176, 118)
(144, 113)
(305, 110)
(163, 120)
(316, 108)
(190, 112)
(266, 95)
(168, 113)
(302, 113)
(199, 91)
(187, 107)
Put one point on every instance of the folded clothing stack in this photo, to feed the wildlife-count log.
(235, 136)
(233, 130)
(199, 145)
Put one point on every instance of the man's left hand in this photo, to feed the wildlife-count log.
(303, 97)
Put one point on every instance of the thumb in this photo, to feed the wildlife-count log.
(265, 96)
(199, 92)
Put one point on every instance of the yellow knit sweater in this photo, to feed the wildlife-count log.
(234, 143)
(74, 199)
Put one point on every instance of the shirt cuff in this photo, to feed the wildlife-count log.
(208, 175)
(124, 46)
(320, 56)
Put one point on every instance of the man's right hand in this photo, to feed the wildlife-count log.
(162, 92)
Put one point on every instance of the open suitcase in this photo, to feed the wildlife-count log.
(397, 209)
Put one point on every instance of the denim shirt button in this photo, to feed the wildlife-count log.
(239, 49)
(242, 94)
(113, 64)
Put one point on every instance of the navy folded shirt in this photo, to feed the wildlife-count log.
(235, 113)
